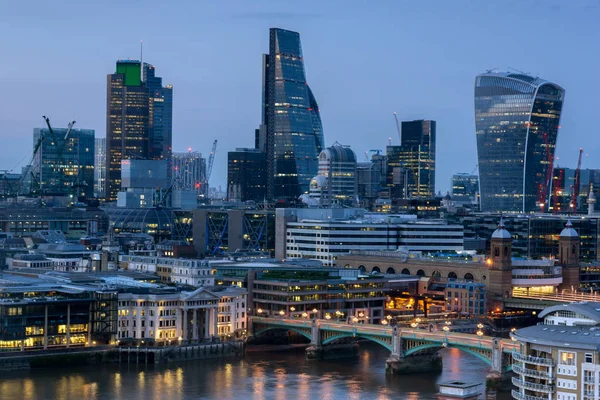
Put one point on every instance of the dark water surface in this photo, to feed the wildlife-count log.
(280, 376)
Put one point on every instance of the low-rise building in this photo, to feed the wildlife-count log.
(233, 311)
(559, 359)
(195, 273)
(466, 298)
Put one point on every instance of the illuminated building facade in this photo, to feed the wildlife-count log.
(65, 166)
(291, 133)
(517, 118)
(100, 167)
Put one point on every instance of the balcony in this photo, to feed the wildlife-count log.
(537, 387)
(518, 396)
(533, 373)
(548, 362)
(591, 380)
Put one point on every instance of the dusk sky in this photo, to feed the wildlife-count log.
(364, 60)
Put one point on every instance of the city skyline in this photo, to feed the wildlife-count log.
(437, 87)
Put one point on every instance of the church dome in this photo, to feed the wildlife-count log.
(501, 232)
(568, 231)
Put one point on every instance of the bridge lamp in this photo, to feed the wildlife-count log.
(418, 320)
(479, 333)
(315, 310)
(355, 320)
(445, 328)
(327, 316)
(389, 317)
(259, 311)
(282, 313)
(384, 322)
(480, 326)
(361, 314)
(414, 325)
(292, 309)
(304, 315)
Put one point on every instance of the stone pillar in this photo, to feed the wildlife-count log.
(46, 327)
(495, 376)
(68, 325)
(195, 325)
(215, 322)
(184, 325)
(314, 333)
(206, 323)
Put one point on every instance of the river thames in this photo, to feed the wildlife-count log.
(279, 375)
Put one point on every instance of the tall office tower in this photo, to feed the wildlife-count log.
(188, 171)
(517, 118)
(100, 167)
(246, 175)
(64, 165)
(338, 165)
(138, 119)
(411, 166)
(563, 189)
(160, 122)
(291, 125)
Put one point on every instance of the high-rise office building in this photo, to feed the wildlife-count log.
(188, 172)
(517, 118)
(411, 166)
(100, 167)
(64, 165)
(138, 119)
(246, 175)
(563, 189)
(160, 134)
(291, 130)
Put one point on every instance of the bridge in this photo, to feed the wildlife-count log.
(411, 350)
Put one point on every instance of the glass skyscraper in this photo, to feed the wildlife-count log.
(100, 168)
(64, 165)
(291, 131)
(517, 118)
(138, 119)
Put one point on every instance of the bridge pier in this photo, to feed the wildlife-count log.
(332, 351)
(413, 364)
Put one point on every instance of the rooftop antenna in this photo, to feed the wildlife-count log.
(142, 60)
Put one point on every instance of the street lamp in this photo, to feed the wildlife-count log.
(414, 324)
(282, 313)
(355, 320)
(479, 333)
(292, 309)
(327, 316)
(361, 314)
(446, 328)
(179, 340)
(259, 311)
(480, 326)
(389, 317)
(384, 322)
(418, 320)
(304, 315)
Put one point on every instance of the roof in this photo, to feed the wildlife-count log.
(501, 232)
(568, 231)
(590, 310)
(560, 336)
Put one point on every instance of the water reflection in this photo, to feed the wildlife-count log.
(279, 376)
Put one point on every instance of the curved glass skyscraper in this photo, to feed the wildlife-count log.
(517, 118)
(291, 124)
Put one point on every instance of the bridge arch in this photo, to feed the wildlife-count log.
(357, 335)
(437, 347)
(390, 270)
(405, 271)
(283, 328)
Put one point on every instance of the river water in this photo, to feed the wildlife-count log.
(280, 376)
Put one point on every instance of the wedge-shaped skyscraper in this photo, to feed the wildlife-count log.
(291, 134)
(517, 118)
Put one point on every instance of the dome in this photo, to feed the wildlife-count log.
(501, 232)
(318, 182)
(568, 231)
(338, 153)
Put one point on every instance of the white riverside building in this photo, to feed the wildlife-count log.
(559, 359)
(181, 271)
(325, 240)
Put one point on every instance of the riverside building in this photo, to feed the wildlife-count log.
(559, 359)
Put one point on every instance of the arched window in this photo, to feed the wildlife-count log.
(390, 270)
(573, 250)
(362, 269)
(496, 252)
(376, 269)
(420, 273)
(452, 275)
(505, 251)
(469, 276)
(436, 274)
(405, 271)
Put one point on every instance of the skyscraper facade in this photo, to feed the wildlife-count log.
(64, 165)
(291, 131)
(338, 165)
(517, 118)
(188, 172)
(138, 119)
(100, 167)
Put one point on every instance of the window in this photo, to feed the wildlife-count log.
(589, 358)
(566, 358)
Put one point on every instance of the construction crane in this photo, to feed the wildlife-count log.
(576, 184)
(398, 127)
(209, 167)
